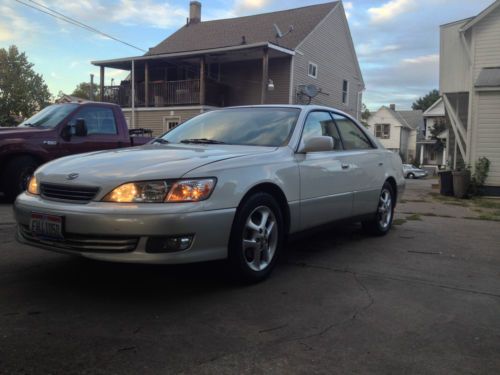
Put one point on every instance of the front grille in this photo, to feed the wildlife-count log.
(77, 194)
(82, 243)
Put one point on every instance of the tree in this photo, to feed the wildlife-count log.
(365, 115)
(23, 92)
(82, 91)
(426, 101)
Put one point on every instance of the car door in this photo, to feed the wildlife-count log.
(325, 181)
(366, 165)
(102, 131)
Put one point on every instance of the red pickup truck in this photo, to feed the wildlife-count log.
(60, 130)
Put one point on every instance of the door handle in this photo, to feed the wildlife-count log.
(345, 166)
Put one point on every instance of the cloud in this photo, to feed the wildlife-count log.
(391, 10)
(348, 7)
(14, 27)
(427, 59)
(243, 7)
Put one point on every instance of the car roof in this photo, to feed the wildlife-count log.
(302, 107)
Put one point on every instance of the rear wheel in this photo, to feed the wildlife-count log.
(411, 176)
(256, 238)
(382, 220)
(16, 175)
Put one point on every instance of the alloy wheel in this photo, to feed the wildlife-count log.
(260, 238)
(384, 212)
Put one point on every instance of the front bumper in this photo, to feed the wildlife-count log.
(128, 227)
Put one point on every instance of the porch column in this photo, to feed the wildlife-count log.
(101, 94)
(202, 81)
(146, 84)
(132, 93)
(422, 153)
(265, 75)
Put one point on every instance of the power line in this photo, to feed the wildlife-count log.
(74, 22)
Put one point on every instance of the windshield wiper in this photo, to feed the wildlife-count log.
(203, 141)
(160, 140)
(30, 125)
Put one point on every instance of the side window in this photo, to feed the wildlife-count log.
(319, 124)
(312, 70)
(353, 137)
(98, 120)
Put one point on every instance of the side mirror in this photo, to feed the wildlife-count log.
(317, 144)
(80, 128)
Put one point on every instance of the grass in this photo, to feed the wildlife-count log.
(398, 221)
(483, 218)
(414, 217)
(486, 203)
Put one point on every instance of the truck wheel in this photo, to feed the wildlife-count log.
(256, 239)
(16, 176)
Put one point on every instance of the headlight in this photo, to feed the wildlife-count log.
(162, 191)
(33, 187)
(191, 190)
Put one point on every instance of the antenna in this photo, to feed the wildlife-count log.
(279, 34)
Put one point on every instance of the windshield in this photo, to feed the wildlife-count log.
(238, 126)
(50, 116)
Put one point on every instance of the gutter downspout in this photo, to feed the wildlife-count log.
(133, 94)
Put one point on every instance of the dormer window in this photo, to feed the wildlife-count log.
(312, 70)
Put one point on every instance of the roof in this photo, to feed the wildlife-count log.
(256, 29)
(488, 77)
(436, 109)
(480, 16)
(409, 119)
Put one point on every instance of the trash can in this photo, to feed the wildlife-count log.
(461, 181)
(446, 183)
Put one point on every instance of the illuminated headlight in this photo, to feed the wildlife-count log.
(33, 187)
(162, 191)
(139, 192)
(191, 190)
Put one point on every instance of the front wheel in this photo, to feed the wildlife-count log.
(382, 219)
(16, 176)
(256, 238)
(411, 176)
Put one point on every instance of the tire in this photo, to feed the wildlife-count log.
(411, 176)
(253, 253)
(381, 224)
(16, 176)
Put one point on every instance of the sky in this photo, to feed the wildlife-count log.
(397, 41)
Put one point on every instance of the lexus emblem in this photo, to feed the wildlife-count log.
(72, 176)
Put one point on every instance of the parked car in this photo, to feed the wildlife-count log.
(410, 171)
(59, 130)
(227, 184)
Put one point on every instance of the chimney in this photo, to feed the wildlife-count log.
(392, 106)
(194, 12)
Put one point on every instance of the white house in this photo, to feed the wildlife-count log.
(397, 130)
(431, 152)
(470, 86)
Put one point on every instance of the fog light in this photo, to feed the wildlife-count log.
(169, 244)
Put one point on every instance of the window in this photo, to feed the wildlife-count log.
(383, 131)
(312, 70)
(319, 124)
(353, 137)
(98, 120)
(345, 92)
(170, 122)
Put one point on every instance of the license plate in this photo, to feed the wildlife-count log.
(46, 226)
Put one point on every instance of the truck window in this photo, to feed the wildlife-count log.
(99, 120)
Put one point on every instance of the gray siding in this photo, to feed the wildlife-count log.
(454, 65)
(487, 42)
(153, 119)
(488, 133)
(329, 47)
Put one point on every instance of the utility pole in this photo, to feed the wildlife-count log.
(91, 93)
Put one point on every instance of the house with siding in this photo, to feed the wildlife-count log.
(470, 87)
(432, 148)
(398, 131)
(273, 58)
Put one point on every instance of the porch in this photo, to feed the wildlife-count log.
(238, 75)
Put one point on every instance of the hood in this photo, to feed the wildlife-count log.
(11, 132)
(149, 162)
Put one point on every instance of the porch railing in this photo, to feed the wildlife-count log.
(165, 94)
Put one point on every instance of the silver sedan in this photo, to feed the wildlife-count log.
(228, 184)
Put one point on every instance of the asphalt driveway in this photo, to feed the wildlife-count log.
(424, 299)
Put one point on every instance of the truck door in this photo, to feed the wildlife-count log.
(103, 132)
